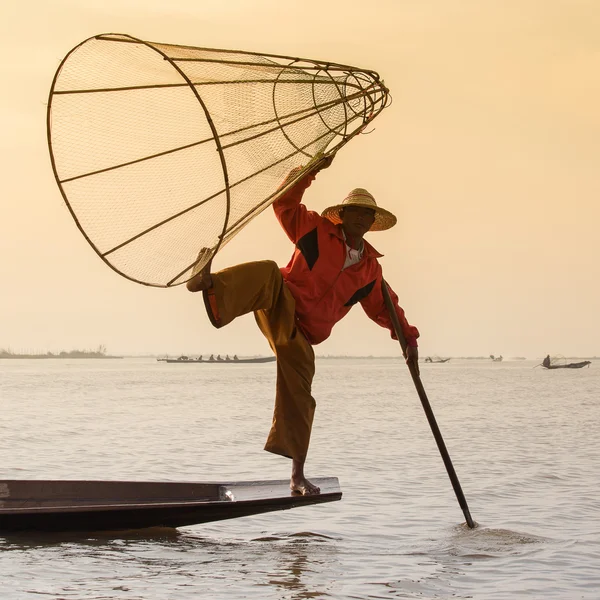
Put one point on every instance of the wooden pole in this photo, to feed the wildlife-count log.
(427, 408)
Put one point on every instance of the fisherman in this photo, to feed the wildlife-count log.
(546, 362)
(296, 307)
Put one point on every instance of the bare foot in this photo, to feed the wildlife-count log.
(201, 278)
(304, 486)
(298, 483)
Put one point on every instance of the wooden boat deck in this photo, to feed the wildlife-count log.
(50, 505)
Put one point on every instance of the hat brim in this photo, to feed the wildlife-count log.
(383, 218)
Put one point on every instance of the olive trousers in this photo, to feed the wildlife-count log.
(258, 287)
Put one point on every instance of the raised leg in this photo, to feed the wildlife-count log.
(201, 277)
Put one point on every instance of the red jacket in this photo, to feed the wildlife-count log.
(324, 293)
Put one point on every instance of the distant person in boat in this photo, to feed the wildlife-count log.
(212, 357)
(235, 357)
(219, 357)
(332, 269)
(546, 362)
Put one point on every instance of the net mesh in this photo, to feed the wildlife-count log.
(557, 360)
(161, 150)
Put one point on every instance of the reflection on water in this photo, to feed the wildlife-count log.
(301, 560)
(41, 539)
(523, 443)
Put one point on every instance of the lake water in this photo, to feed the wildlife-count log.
(525, 444)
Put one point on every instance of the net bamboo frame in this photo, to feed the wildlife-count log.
(160, 150)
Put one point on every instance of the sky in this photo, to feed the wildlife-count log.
(489, 155)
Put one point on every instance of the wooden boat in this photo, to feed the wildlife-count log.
(229, 361)
(48, 505)
(496, 358)
(436, 359)
(577, 365)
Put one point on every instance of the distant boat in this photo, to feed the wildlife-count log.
(436, 359)
(496, 358)
(229, 361)
(558, 362)
(38, 505)
(577, 365)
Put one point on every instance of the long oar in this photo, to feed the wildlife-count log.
(428, 411)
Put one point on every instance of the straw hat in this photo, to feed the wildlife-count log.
(360, 197)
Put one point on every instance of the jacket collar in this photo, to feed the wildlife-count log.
(368, 249)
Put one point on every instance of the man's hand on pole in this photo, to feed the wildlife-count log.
(412, 357)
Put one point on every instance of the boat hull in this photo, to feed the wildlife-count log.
(578, 365)
(29, 505)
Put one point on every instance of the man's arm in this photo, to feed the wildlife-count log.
(293, 216)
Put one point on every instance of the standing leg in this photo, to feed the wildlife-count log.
(259, 287)
(294, 405)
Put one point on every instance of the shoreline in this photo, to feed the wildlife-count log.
(51, 356)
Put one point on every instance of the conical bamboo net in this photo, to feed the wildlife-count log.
(160, 150)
